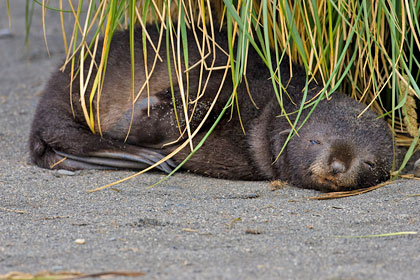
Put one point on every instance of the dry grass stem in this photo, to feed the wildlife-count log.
(334, 195)
(12, 211)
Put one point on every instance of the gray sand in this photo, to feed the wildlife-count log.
(189, 227)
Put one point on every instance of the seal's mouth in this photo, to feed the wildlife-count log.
(330, 183)
(327, 182)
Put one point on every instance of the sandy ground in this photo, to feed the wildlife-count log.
(189, 227)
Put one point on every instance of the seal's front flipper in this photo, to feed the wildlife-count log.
(134, 158)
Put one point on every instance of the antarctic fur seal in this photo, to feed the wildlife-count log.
(333, 151)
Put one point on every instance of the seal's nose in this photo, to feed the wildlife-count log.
(337, 167)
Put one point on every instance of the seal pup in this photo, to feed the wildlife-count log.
(333, 151)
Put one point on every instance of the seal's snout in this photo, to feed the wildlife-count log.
(340, 157)
(335, 166)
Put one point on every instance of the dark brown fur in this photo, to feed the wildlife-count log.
(334, 150)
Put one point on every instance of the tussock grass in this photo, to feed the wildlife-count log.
(367, 49)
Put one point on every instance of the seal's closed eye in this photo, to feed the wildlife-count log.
(314, 142)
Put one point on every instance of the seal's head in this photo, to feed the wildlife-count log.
(336, 150)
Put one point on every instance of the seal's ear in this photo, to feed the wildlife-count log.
(286, 131)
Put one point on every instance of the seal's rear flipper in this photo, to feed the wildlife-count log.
(116, 159)
(58, 142)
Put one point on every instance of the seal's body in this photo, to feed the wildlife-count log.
(334, 150)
